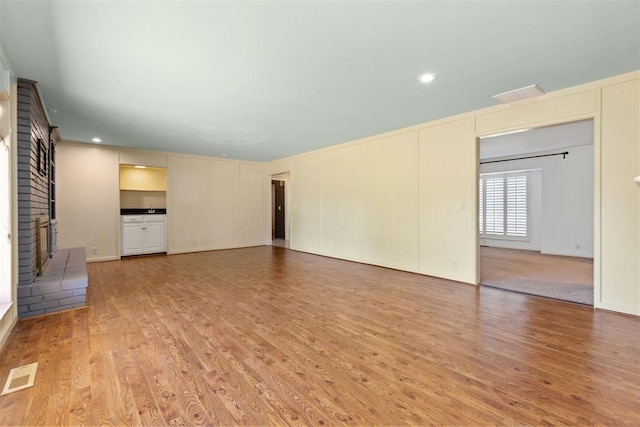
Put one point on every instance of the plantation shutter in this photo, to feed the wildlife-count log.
(502, 205)
(481, 206)
(517, 205)
(494, 206)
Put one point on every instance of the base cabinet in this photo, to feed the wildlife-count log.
(143, 234)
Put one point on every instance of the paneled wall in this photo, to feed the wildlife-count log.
(252, 222)
(390, 201)
(306, 204)
(189, 204)
(448, 200)
(408, 199)
(211, 203)
(225, 190)
(620, 129)
(342, 209)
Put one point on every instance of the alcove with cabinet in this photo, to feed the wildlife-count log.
(143, 209)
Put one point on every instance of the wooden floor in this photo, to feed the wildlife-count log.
(268, 336)
(560, 277)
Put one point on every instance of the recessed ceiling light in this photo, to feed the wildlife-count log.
(426, 77)
(224, 154)
(140, 167)
(96, 139)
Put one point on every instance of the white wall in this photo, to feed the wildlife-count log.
(443, 194)
(620, 162)
(211, 203)
(189, 204)
(373, 201)
(390, 201)
(225, 191)
(8, 198)
(429, 194)
(87, 199)
(359, 202)
(306, 204)
(567, 205)
(561, 203)
(252, 198)
(342, 202)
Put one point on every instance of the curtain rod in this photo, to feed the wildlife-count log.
(563, 154)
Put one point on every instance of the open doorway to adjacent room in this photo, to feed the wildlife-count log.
(536, 211)
(279, 217)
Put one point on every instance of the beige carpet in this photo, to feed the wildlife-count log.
(551, 276)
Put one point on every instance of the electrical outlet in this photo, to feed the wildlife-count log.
(578, 246)
(94, 251)
(454, 265)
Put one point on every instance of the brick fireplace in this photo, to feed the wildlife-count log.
(39, 292)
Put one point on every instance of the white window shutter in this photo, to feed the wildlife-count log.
(502, 205)
(517, 205)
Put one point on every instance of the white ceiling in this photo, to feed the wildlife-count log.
(539, 140)
(262, 80)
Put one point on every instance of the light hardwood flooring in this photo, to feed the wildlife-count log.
(269, 336)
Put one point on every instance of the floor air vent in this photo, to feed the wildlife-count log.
(20, 378)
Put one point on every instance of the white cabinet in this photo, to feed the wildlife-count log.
(143, 234)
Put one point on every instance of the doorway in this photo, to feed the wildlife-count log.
(279, 220)
(278, 210)
(536, 211)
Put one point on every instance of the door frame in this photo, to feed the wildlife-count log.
(597, 149)
(286, 178)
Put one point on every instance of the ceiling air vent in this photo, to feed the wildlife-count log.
(518, 94)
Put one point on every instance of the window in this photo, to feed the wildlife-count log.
(502, 202)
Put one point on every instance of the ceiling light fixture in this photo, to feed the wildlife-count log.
(426, 77)
(518, 94)
(96, 139)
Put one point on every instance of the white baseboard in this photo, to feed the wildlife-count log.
(624, 309)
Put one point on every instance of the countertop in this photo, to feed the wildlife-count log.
(143, 211)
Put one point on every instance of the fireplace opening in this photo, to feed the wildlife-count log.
(42, 244)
